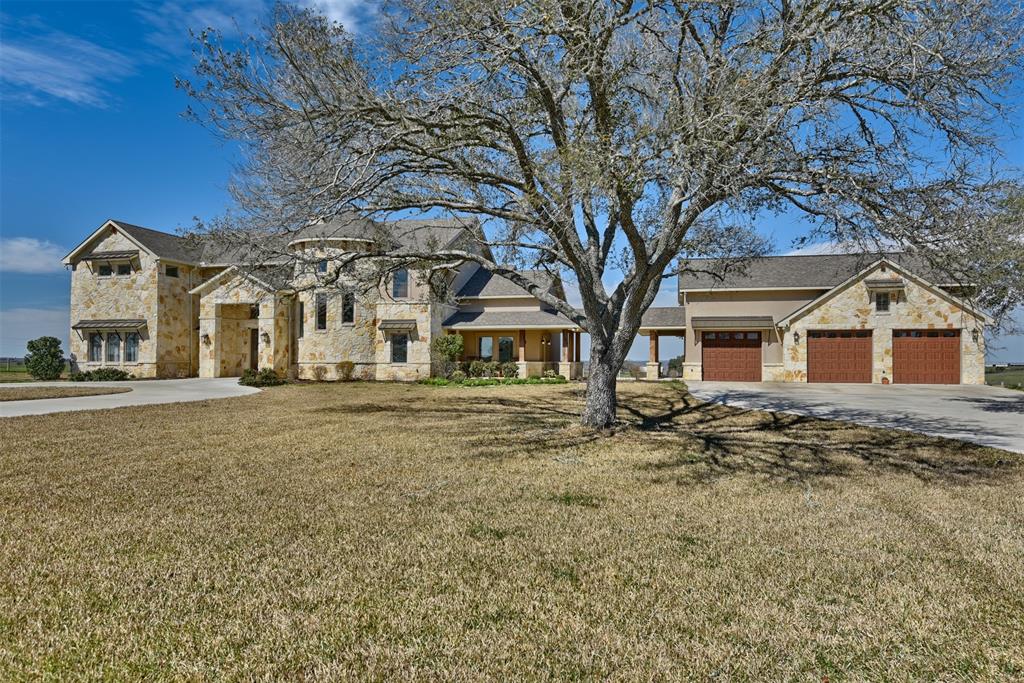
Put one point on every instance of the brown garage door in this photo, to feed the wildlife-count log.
(839, 356)
(926, 356)
(732, 356)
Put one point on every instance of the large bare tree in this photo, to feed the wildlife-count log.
(605, 138)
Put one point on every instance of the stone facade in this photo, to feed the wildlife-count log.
(167, 345)
(917, 307)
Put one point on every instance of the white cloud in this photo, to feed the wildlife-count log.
(29, 255)
(349, 13)
(38, 65)
(19, 325)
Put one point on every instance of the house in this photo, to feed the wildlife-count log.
(826, 318)
(159, 305)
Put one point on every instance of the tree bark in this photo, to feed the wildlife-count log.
(601, 404)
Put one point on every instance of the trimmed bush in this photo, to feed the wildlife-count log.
(477, 368)
(457, 376)
(492, 367)
(262, 378)
(45, 359)
(100, 375)
(345, 370)
(510, 369)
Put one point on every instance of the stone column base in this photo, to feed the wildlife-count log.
(524, 368)
(566, 370)
(653, 371)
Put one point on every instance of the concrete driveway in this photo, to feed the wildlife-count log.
(143, 392)
(980, 414)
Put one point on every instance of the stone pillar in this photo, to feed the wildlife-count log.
(653, 362)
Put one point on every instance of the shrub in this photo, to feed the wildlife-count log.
(45, 359)
(100, 375)
(263, 378)
(448, 346)
(550, 373)
(492, 368)
(433, 381)
(319, 373)
(457, 376)
(345, 370)
(477, 368)
(510, 369)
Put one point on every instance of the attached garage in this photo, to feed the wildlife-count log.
(839, 356)
(926, 356)
(731, 356)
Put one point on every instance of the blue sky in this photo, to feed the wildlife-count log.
(91, 128)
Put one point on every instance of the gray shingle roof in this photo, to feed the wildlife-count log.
(163, 244)
(664, 317)
(485, 283)
(817, 271)
(504, 319)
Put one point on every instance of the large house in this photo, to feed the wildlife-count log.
(159, 305)
(826, 318)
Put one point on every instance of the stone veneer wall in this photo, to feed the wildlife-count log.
(917, 308)
(177, 319)
(132, 296)
(224, 318)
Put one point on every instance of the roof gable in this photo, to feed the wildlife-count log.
(863, 274)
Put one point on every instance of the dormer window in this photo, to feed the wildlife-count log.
(106, 270)
(124, 269)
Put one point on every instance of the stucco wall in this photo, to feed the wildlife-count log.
(917, 308)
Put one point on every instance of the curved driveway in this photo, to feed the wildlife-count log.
(143, 392)
(985, 415)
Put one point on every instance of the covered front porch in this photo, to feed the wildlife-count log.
(668, 321)
(529, 338)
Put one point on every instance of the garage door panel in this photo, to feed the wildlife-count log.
(926, 356)
(731, 356)
(839, 356)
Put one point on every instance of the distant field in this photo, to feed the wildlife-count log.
(1012, 375)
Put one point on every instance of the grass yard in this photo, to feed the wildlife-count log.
(395, 532)
(1012, 376)
(26, 393)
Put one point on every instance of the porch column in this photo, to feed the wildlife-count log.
(578, 335)
(565, 367)
(653, 362)
(522, 353)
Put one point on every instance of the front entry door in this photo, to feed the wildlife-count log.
(254, 349)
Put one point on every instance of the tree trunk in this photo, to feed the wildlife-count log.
(599, 412)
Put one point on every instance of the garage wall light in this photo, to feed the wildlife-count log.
(796, 337)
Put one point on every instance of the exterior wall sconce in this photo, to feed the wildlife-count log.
(796, 337)
(974, 335)
(206, 339)
(265, 338)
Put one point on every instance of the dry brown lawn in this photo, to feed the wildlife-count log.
(398, 532)
(28, 393)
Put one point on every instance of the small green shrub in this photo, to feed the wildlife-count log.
(45, 359)
(491, 368)
(477, 368)
(262, 378)
(434, 381)
(319, 373)
(100, 375)
(345, 370)
(509, 369)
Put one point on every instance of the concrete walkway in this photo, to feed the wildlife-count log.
(985, 415)
(143, 392)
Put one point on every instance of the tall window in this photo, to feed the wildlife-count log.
(399, 348)
(348, 307)
(400, 284)
(113, 347)
(131, 347)
(882, 302)
(486, 348)
(302, 319)
(321, 311)
(321, 266)
(95, 347)
(505, 349)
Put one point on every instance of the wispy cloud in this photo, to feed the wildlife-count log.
(39, 65)
(18, 325)
(352, 14)
(29, 255)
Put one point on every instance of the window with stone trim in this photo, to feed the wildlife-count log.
(882, 302)
(131, 347)
(321, 311)
(95, 347)
(113, 347)
(348, 307)
(399, 348)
